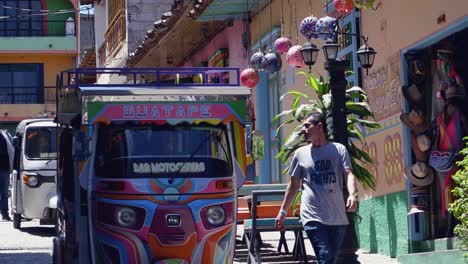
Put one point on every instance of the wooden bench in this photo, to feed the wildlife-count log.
(265, 205)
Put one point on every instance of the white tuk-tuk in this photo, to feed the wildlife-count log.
(34, 192)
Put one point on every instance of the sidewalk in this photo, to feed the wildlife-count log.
(271, 255)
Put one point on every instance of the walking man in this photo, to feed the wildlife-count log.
(321, 168)
(6, 166)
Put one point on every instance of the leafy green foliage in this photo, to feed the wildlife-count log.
(459, 207)
(358, 111)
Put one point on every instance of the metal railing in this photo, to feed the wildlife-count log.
(54, 28)
(116, 33)
(192, 76)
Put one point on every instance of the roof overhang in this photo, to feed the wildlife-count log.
(210, 10)
(174, 38)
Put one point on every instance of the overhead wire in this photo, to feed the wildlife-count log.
(40, 10)
(56, 12)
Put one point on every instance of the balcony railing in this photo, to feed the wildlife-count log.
(51, 28)
(115, 8)
(116, 34)
(50, 94)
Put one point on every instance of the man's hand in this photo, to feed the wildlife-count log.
(351, 203)
(279, 222)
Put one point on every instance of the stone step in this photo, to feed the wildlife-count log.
(452, 256)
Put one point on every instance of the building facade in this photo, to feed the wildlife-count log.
(37, 40)
(418, 44)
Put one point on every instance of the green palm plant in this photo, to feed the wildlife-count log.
(358, 111)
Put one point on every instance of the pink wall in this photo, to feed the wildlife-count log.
(229, 38)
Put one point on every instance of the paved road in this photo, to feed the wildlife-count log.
(31, 244)
(270, 255)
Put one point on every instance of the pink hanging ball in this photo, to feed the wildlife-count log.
(249, 77)
(282, 45)
(344, 6)
(294, 57)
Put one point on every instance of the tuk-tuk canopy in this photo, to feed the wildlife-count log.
(20, 129)
(160, 102)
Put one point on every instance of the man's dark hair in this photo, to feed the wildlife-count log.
(318, 117)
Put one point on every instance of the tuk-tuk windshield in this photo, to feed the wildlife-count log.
(41, 143)
(162, 151)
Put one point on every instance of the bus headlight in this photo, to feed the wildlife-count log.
(215, 215)
(126, 217)
(31, 180)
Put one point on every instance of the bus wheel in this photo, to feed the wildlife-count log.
(16, 221)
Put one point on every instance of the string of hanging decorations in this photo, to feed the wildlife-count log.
(311, 27)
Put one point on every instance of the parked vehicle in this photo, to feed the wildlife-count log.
(148, 173)
(34, 193)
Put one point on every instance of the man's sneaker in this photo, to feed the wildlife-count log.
(6, 218)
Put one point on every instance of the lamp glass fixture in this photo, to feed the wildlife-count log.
(309, 53)
(366, 56)
(330, 50)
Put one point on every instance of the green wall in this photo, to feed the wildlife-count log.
(383, 227)
(58, 28)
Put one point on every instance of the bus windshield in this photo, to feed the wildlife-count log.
(41, 143)
(162, 151)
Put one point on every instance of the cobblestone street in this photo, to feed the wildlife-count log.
(31, 244)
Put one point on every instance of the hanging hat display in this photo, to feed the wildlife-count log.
(419, 174)
(420, 145)
(417, 70)
(325, 27)
(256, 60)
(294, 57)
(282, 45)
(271, 62)
(345, 6)
(413, 94)
(249, 77)
(415, 120)
(308, 27)
(364, 3)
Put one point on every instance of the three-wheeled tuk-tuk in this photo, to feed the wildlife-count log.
(148, 172)
(34, 169)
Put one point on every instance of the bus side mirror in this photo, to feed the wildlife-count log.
(15, 141)
(258, 145)
(80, 146)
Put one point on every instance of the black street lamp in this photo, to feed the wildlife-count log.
(309, 53)
(336, 69)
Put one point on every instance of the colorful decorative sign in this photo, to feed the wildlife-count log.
(383, 86)
(166, 111)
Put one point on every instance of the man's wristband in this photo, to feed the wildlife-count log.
(283, 213)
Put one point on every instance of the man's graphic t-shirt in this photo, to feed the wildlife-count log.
(322, 173)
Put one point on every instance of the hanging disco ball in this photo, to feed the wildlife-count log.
(271, 62)
(256, 60)
(365, 4)
(294, 57)
(308, 27)
(282, 45)
(325, 27)
(344, 6)
(249, 77)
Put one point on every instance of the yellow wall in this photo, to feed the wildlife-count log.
(394, 26)
(52, 65)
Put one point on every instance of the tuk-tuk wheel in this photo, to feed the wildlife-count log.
(16, 221)
(57, 251)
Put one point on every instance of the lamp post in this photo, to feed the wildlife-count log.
(336, 69)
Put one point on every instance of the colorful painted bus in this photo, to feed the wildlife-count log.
(148, 172)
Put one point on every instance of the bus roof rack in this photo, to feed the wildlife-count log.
(153, 77)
